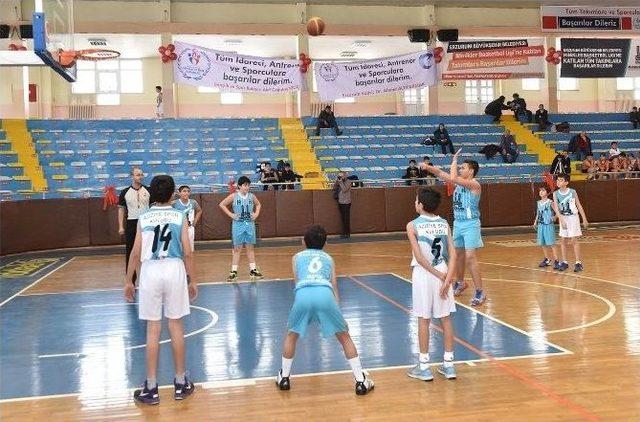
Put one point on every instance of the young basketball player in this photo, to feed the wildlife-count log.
(159, 103)
(543, 222)
(162, 245)
(432, 249)
(246, 209)
(567, 207)
(316, 299)
(190, 208)
(467, 237)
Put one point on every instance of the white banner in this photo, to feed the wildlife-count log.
(372, 77)
(589, 18)
(234, 72)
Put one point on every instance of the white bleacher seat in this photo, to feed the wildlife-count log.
(78, 164)
(209, 161)
(154, 162)
(117, 163)
(136, 163)
(172, 162)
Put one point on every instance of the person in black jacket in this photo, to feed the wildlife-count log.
(412, 175)
(288, 175)
(561, 164)
(542, 118)
(518, 106)
(327, 119)
(495, 107)
(269, 177)
(441, 137)
(634, 117)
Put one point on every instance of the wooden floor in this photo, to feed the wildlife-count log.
(596, 315)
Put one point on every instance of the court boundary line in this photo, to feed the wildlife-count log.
(514, 372)
(36, 282)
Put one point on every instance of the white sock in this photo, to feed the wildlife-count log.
(151, 383)
(356, 367)
(286, 366)
(424, 361)
(448, 359)
(252, 266)
(234, 268)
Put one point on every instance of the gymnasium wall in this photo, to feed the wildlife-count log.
(63, 223)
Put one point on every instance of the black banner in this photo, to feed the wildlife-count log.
(594, 57)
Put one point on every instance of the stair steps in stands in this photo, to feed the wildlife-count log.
(301, 154)
(22, 143)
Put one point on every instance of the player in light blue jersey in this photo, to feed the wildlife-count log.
(432, 295)
(543, 223)
(163, 252)
(316, 299)
(467, 236)
(568, 209)
(245, 210)
(190, 208)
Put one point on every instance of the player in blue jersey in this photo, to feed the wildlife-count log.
(162, 252)
(569, 210)
(316, 299)
(245, 210)
(191, 210)
(467, 237)
(432, 295)
(543, 223)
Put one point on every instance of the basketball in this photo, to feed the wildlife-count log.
(315, 26)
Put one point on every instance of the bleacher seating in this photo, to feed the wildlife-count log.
(381, 147)
(12, 177)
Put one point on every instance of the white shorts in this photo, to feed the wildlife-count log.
(163, 282)
(160, 109)
(427, 302)
(192, 236)
(573, 226)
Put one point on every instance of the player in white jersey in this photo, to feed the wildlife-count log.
(159, 103)
(162, 252)
(433, 249)
(567, 207)
(191, 209)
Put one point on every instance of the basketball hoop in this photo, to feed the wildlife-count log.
(68, 58)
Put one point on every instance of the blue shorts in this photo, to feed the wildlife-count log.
(316, 303)
(466, 234)
(243, 232)
(546, 235)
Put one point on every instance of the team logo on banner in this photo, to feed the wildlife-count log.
(329, 71)
(426, 60)
(193, 64)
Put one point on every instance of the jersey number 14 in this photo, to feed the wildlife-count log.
(161, 235)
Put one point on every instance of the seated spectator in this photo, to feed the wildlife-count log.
(590, 167)
(412, 175)
(327, 119)
(441, 137)
(542, 118)
(288, 175)
(490, 150)
(561, 164)
(424, 174)
(495, 107)
(634, 117)
(269, 176)
(580, 145)
(633, 163)
(508, 147)
(614, 151)
(604, 166)
(518, 106)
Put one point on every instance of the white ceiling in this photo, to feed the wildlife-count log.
(130, 46)
(459, 3)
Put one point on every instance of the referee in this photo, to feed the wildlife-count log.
(134, 200)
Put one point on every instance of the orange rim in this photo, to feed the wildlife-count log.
(95, 54)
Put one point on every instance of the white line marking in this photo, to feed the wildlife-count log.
(36, 282)
(214, 321)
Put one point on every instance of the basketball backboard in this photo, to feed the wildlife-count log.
(52, 33)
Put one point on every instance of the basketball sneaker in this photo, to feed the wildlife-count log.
(147, 396)
(579, 267)
(255, 274)
(563, 266)
(419, 374)
(459, 287)
(364, 386)
(545, 263)
(478, 298)
(449, 372)
(233, 276)
(182, 391)
(556, 265)
(283, 383)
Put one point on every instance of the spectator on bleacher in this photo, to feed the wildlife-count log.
(519, 106)
(412, 174)
(508, 147)
(589, 167)
(634, 164)
(614, 151)
(561, 163)
(495, 107)
(342, 193)
(542, 118)
(604, 166)
(288, 175)
(269, 177)
(133, 201)
(634, 117)
(159, 103)
(441, 137)
(580, 146)
(327, 119)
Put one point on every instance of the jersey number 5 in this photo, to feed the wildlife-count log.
(161, 235)
(436, 249)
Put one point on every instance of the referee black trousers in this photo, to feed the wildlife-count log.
(345, 216)
(130, 237)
